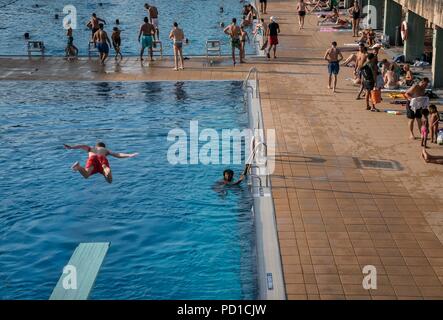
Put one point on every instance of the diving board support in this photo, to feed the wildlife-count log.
(78, 277)
(213, 48)
(92, 49)
(157, 47)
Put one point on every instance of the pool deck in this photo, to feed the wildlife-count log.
(334, 216)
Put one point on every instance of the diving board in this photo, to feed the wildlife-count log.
(79, 274)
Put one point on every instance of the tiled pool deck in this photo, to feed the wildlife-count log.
(334, 217)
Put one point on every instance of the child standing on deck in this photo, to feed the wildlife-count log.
(434, 119)
(424, 127)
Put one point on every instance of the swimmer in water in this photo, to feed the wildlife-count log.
(228, 176)
(97, 160)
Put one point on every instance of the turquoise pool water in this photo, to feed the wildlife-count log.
(200, 20)
(172, 236)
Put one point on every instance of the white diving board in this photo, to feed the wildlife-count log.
(80, 273)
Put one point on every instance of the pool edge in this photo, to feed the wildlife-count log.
(270, 278)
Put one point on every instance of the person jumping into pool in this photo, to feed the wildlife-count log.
(97, 160)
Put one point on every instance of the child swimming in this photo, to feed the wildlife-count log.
(97, 160)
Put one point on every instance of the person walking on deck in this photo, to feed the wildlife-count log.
(102, 42)
(177, 36)
(117, 42)
(333, 55)
(272, 33)
(301, 10)
(417, 101)
(233, 30)
(145, 36)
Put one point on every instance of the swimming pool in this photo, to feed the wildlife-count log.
(200, 20)
(172, 236)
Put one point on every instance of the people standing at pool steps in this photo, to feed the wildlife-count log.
(177, 36)
(145, 35)
(101, 41)
(153, 19)
(97, 160)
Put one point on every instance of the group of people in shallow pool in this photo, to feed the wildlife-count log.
(97, 162)
(149, 32)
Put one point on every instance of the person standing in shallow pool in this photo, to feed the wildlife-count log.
(97, 160)
(102, 42)
(177, 36)
(146, 33)
(233, 30)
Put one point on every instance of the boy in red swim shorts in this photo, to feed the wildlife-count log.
(272, 33)
(97, 160)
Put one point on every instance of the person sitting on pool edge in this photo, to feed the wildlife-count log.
(228, 176)
(97, 160)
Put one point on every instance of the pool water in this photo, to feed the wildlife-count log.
(200, 20)
(172, 236)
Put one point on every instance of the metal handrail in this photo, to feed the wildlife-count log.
(248, 76)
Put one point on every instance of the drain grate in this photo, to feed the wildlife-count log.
(377, 164)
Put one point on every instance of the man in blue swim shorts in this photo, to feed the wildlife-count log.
(145, 36)
(101, 41)
(333, 56)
